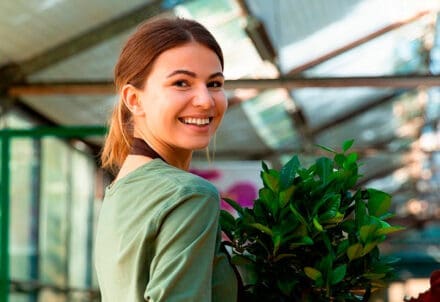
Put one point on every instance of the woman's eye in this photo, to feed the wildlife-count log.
(215, 84)
(181, 83)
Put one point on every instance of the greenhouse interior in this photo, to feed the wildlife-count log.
(300, 74)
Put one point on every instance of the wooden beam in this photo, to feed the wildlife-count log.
(107, 87)
(356, 43)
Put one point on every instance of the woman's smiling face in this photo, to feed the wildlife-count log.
(183, 99)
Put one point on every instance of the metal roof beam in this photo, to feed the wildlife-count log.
(107, 87)
(395, 81)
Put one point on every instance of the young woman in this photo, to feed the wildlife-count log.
(158, 236)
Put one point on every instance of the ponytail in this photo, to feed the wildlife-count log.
(119, 138)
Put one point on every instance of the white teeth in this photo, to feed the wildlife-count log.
(196, 121)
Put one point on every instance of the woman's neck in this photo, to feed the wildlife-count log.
(179, 158)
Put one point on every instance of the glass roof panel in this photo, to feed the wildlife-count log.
(335, 101)
(227, 25)
(267, 113)
(398, 52)
(398, 118)
(401, 51)
(361, 17)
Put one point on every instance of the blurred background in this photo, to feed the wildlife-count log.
(299, 73)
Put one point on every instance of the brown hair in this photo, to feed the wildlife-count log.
(133, 67)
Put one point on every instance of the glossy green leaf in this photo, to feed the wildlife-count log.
(361, 217)
(367, 232)
(266, 195)
(264, 166)
(354, 251)
(319, 282)
(286, 195)
(317, 225)
(297, 214)
(288, 172)
(338, 274)
(377, 221)
(339, 159)
(325, 264)
(286, 285)
(269, 199)
(349, 226)
(262, 228)
(312, 273)
(277, 239)
(271, 181)
(379, 202)
(389, 260)
(300, 230)
(324, 168)
(368, 247)
(332, 214)
(381, 268)
(283, 256)
(227, 223)
(234, 205)
(326, 148)
(351, 158)
(387, 216)
(241, 260)
(374, 276)
(306, 240)
(347, 144)
(342, 247)
(332, 220)
(260, 211)
(389, 230)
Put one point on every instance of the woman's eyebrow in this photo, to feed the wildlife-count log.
(193, 74)
(182, 71)
(217, 74)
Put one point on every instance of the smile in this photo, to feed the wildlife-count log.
(196, 121)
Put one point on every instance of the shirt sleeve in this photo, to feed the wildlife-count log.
(182, 266)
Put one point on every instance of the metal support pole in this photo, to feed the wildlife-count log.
(4, 217)
(34, 259)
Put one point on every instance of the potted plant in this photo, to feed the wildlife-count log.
(312, 234)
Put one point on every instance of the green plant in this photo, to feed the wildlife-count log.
(311, 234)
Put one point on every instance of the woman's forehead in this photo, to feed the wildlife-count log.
(188, 56)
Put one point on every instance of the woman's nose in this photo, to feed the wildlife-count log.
(203, 98)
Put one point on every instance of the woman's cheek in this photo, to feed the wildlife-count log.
(221, 100)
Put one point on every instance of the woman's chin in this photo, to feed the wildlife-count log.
(201, 147)
(196, 146)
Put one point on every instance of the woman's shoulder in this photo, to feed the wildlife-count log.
(187, 182)
(186, 191)
(160, 178)
(160, 188)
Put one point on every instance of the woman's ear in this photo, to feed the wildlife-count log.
(130, 96)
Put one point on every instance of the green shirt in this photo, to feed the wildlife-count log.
(158, 239)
